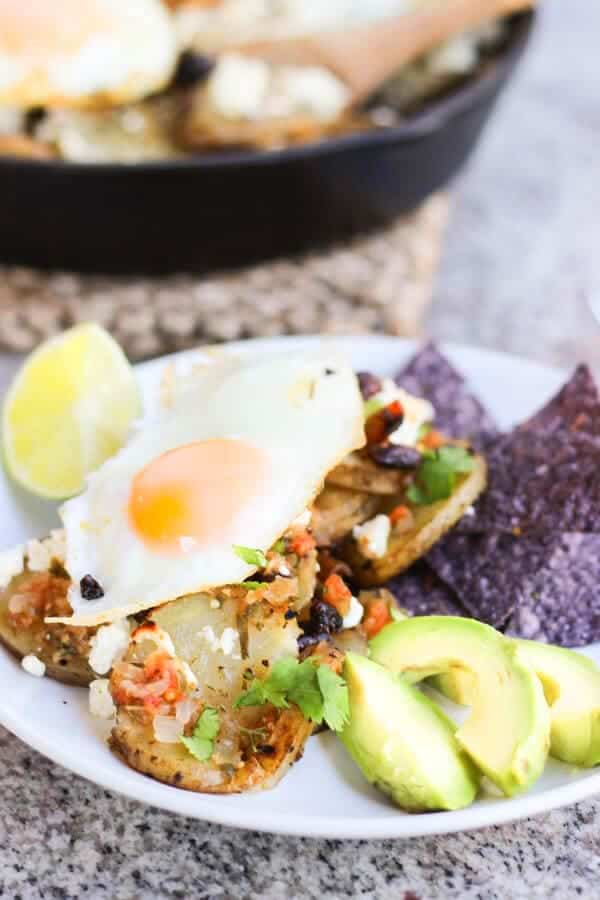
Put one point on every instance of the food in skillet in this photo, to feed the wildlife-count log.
(222, 652)
(108, 88)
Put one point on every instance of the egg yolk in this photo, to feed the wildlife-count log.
(189, 496)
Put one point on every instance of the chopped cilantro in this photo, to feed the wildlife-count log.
(319, 693)
(336, 707)
(279, 546)
(202, 742)
(371, 406)
(436, 476)
(255, 736)
(252, 585)
(423, 431)
(250, 556)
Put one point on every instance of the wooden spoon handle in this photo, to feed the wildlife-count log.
(366, 56)
(365, 61)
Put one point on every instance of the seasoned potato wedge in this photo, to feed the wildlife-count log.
(133, 740)
(430, 524)
(359, 473)
(337, 510)
(62, 649)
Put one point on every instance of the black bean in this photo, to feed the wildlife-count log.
(290, 614)
(369, 384)
(90, 589)
(324, 617)
(191, 68)
(309, 640)
(395, 456)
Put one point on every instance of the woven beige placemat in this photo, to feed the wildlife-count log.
(382, 282)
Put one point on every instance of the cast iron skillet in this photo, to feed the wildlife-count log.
(223, 210)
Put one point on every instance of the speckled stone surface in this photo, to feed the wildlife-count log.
(520, 272)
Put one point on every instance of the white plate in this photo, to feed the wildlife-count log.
(324, 795)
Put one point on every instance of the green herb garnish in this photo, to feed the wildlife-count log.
(371, 406)
(279, 546)
(202, 742)
(255, 737)
(320, 694)
(423, 431)
(437, 474)
(251, 556)
(252, 585)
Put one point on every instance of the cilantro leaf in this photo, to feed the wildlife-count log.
(318, 692)
(254, 696)
(252, 585)
(279, 546)
(437, 473)
(202, 742)
(336, 705)
(371, 406)
(305, 692)
(250, 555)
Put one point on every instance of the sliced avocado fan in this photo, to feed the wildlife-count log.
(507, 731)
(571, 683)
(403, 743)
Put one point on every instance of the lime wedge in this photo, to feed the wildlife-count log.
(69, 408)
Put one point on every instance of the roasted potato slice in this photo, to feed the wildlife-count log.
(61, 648)
(359, 473)
(257, 635)
(430, 524)
(133, 740)
(337, 510)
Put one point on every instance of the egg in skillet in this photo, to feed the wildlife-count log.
(236, 458)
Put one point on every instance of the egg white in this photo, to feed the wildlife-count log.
(83, 53)
(304, 413)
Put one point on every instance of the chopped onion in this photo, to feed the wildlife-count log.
(167, 730)
(184, 710)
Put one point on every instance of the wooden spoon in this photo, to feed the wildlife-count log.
(365, 57)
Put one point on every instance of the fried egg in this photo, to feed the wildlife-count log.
(82, 53)
(238, 455)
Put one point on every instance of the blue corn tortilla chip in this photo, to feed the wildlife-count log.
(576, 407)
(539, 483)
(459, 414)
(489, 573)
(421, 593)
(561, 603)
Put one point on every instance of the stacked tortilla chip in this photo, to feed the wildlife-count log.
(527, 560)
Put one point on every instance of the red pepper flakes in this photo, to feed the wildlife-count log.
(383, 422)
(377, 617)
(337, 594)
(433, 440)
(302, 543)
(399, 513)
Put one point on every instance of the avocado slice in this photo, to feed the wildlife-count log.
(402, 742)
(571, 683)
(507, 731)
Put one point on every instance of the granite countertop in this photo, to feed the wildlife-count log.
(520, 270)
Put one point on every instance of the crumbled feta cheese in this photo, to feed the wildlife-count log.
(33, 665)
(284, 571)
(214, 603)
(372, 537)
(238, 86)
(458, 57)
(303, 520)
(226, 644)
(355, 614)
(312, 90)
(108, 644)
(40, 554)
(11, 564)
(100, 701)
(189, 675)
(417, 412)
(242, 87)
